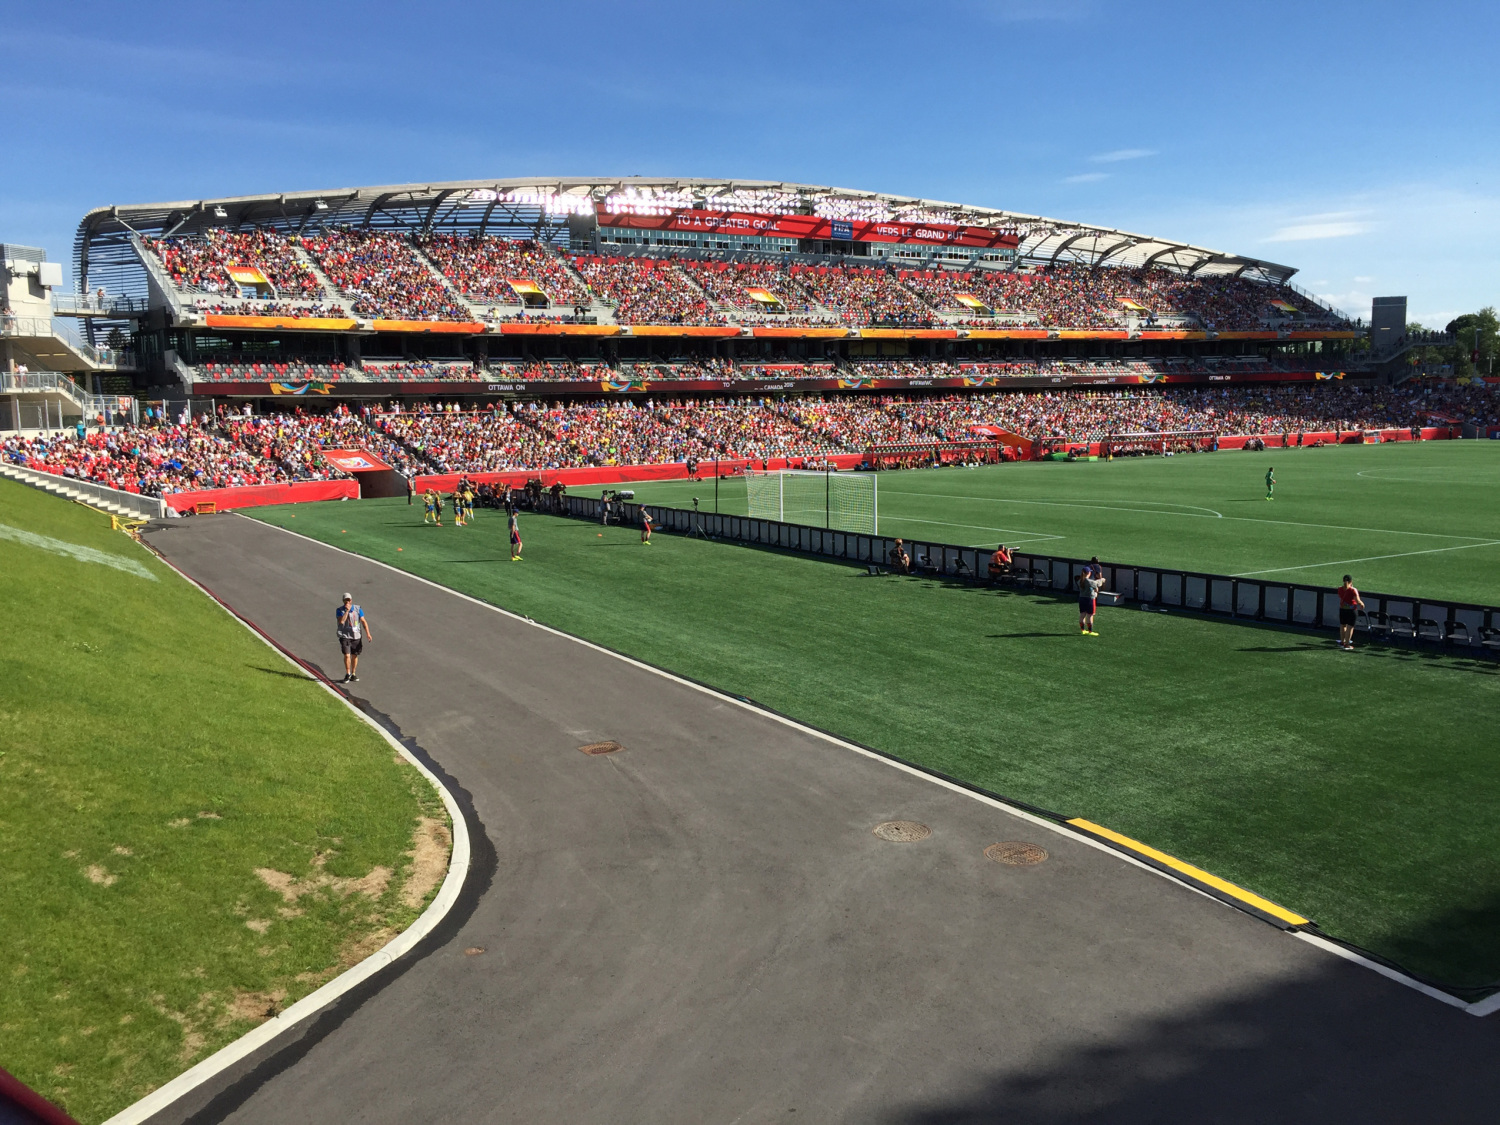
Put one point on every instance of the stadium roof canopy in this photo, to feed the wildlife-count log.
(540, 206)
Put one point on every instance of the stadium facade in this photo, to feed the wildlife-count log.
(583, 286)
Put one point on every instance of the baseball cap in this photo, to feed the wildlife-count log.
(348, 597)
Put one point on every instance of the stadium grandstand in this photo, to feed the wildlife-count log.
(542, 325)
(750, 283)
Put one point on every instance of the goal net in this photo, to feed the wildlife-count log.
(843, 501)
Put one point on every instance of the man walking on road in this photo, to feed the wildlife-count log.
(352, 630)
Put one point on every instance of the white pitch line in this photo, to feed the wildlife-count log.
(1035, 536)
(1189, 515)
(1370, 558)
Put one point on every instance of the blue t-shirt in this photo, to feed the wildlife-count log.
(349, 620)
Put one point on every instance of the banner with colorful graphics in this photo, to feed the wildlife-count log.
(983, 380)
(246, 275)
(969, 301)
(860, 383)
(622, 386)
(1132, 304)
(1284, 306)
(763, 296)
(731, 223)
(353, 460)
(524, 287)
(311, 387)
(1328, 374)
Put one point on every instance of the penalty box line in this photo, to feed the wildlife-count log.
(1032, 536)
(1368, 558)
(1190, 515)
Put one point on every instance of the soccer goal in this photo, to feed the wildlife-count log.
(843, 501)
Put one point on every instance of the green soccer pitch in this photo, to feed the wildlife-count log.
(1358, 789)
(1403, 518)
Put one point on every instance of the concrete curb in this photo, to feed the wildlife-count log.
(437, 910)
(1487, 1006)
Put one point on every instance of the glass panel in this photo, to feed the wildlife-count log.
(1197, 592)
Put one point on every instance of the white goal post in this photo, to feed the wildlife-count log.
(845, 501)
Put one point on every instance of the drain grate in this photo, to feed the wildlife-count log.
(1015, 853)
(902, 831)
(601, 747)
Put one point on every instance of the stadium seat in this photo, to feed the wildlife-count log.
(1458, 633)
(1376, 624)
(1489, 638)
(1399, 623)
(1430, 630)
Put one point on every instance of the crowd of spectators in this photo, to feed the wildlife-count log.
(382, 274)
(483, 266)
(648, 291)
(273, 308)
(149, 459)
(200, 262)
(385, 274)
(237, 447)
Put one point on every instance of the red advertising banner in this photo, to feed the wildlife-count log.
(353, 460)
(255, 495)
(730, 223)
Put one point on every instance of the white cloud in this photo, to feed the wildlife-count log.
(1086, 178)
(1122, 154)
(1357, 281)
(1328, 228)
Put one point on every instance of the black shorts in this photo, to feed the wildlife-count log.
(351, 646)
(1085, 605)
(1346, 615)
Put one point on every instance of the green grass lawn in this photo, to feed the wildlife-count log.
(1359, 789)
(154, 756)
(1406, 518)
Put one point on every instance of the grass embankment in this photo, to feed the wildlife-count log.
(194, 835)
(1405, 518)
(1361, 790)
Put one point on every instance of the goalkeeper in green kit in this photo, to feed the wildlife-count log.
(1270, 483)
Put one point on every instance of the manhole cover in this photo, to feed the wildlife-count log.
(1015, 853)
(902, 831)
(601, 747)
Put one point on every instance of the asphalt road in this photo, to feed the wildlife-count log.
(703, 928)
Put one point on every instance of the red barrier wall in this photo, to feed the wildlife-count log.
(625, 474)
(1348, 437)
(255, 495)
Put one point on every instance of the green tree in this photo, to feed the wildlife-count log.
(1477, 344)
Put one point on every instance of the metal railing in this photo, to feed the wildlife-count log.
(1457, 626)
(146, 507)
(115, 409)
(25, 325)
(90, 304)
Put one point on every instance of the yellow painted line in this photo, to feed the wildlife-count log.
(1196, 873)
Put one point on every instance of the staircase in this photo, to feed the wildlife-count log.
(335, 295)
(476, 312)
(601, 312)
(127, 504)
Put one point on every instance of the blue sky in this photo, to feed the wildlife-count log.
(1357, 142)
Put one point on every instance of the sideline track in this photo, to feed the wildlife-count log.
(703, 927)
